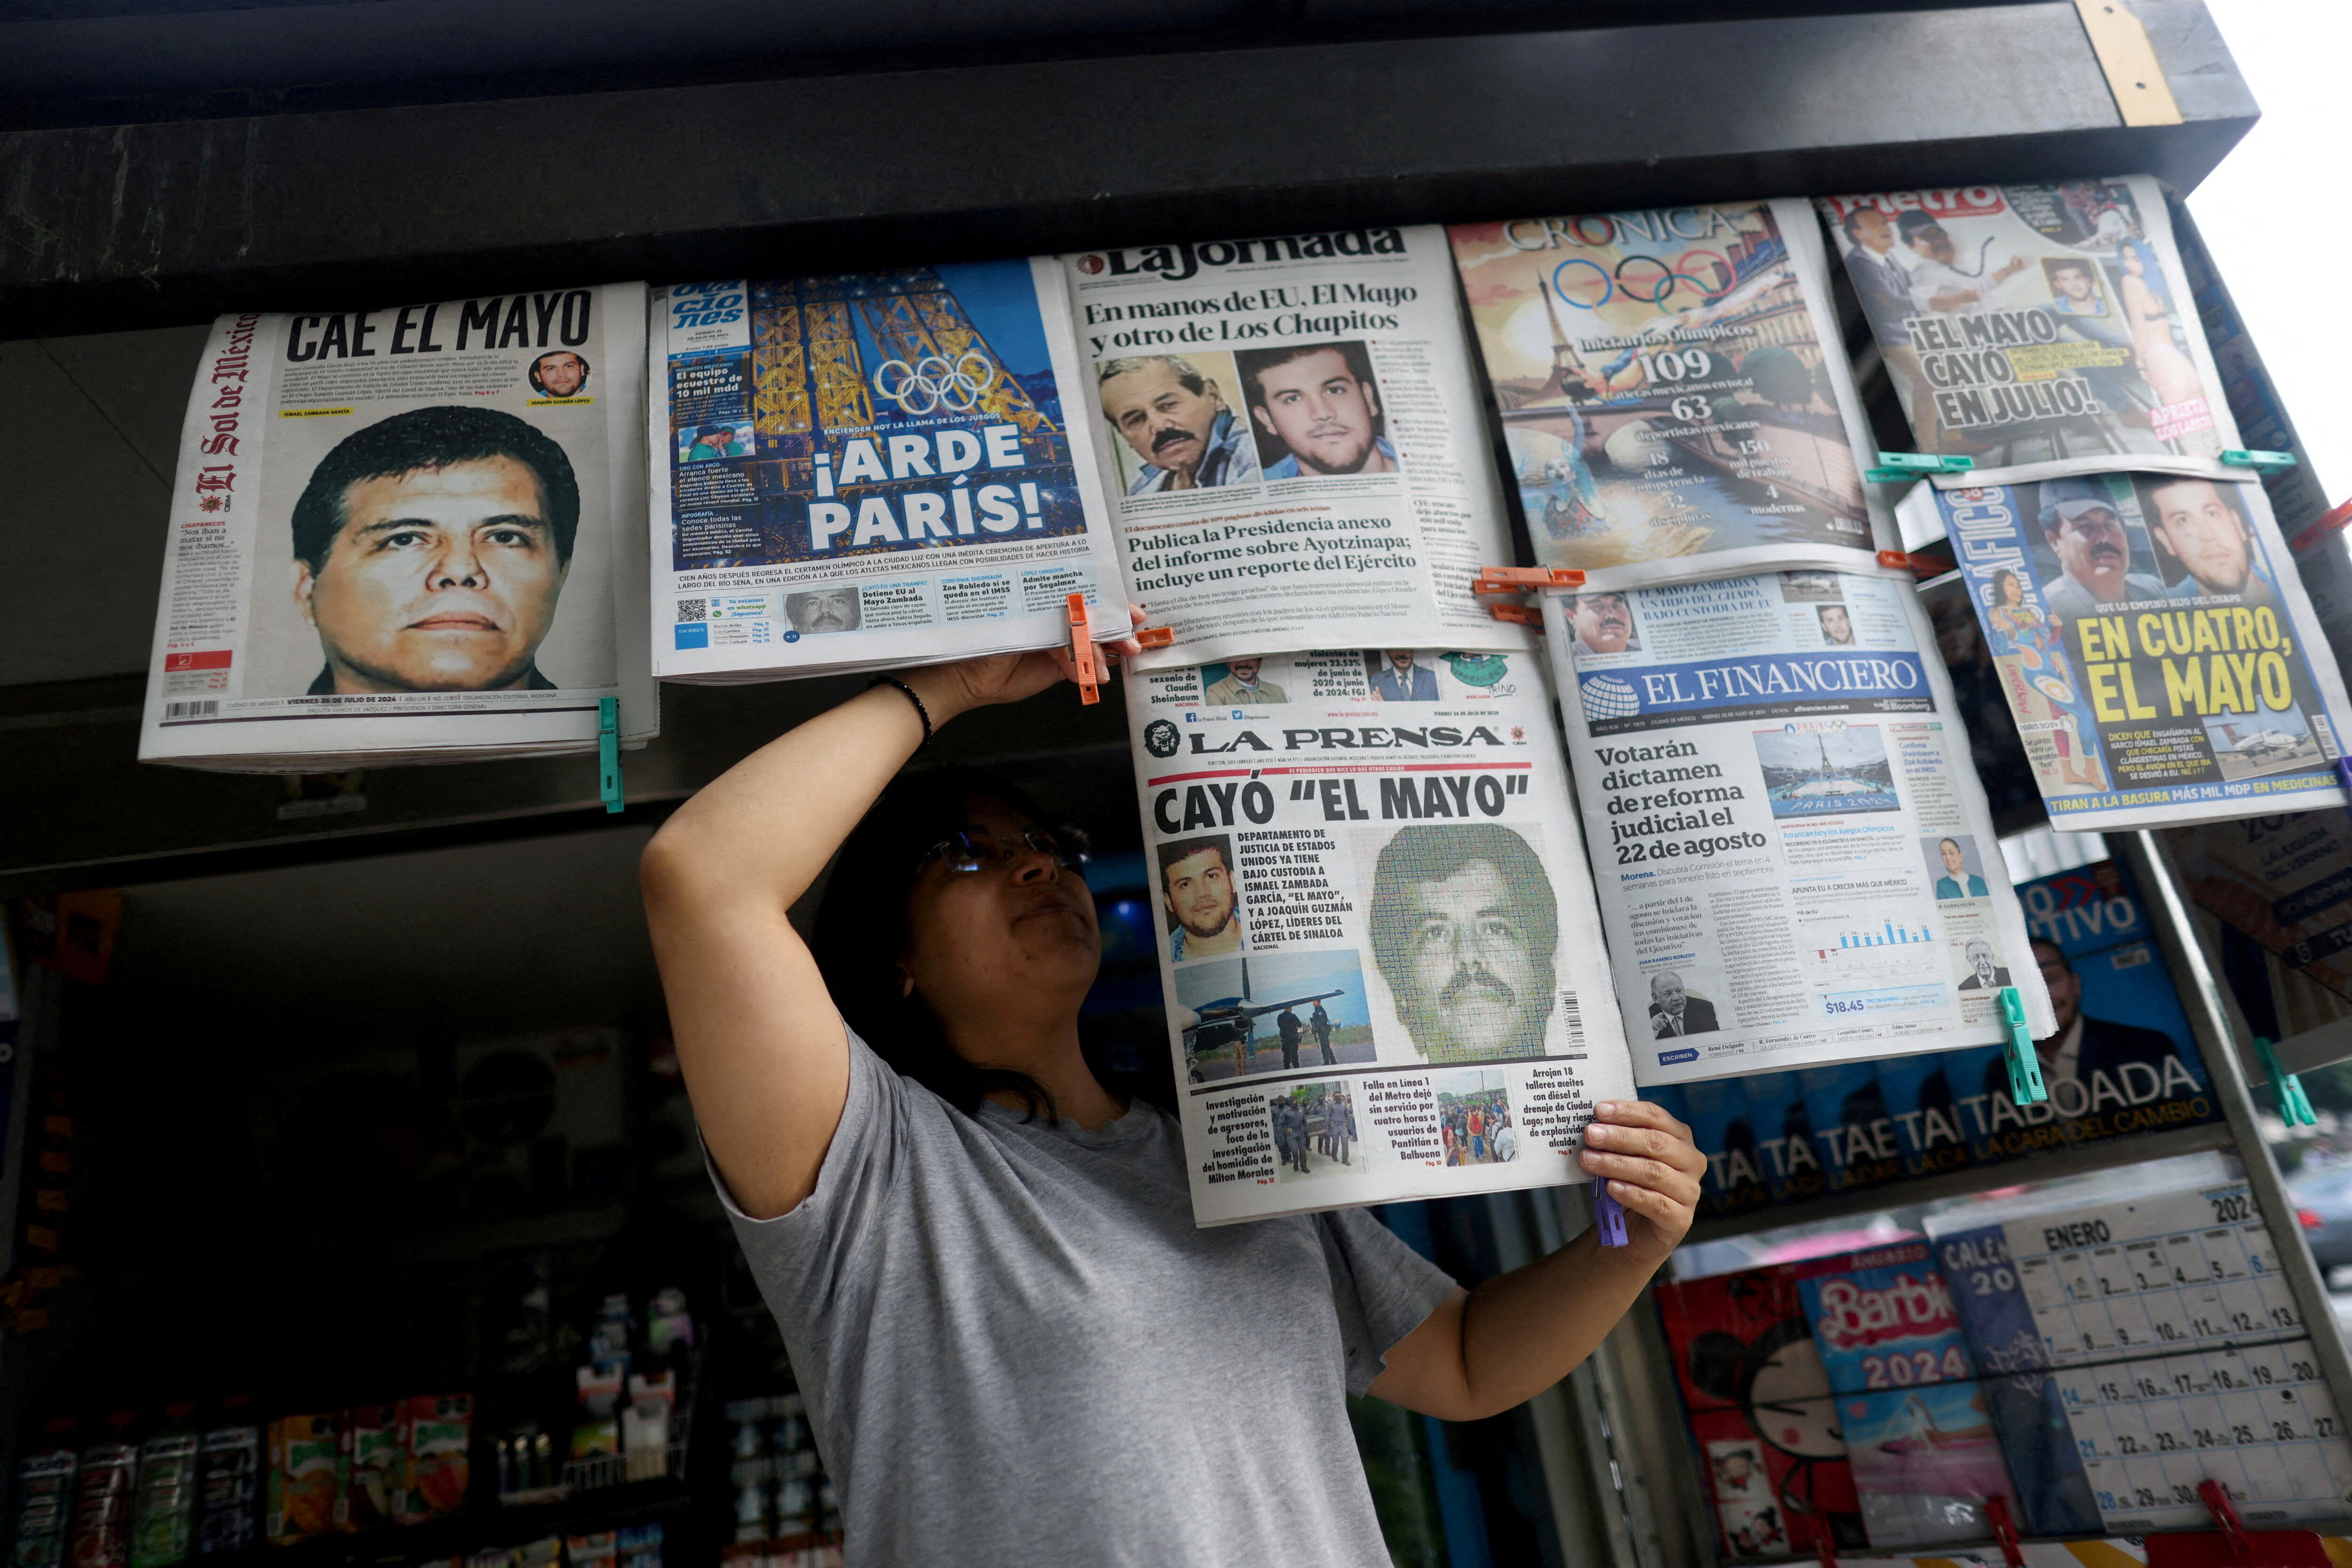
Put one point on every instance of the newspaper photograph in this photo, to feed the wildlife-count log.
(1291, 432)
(1795, 864)
(871, 469)
(2153, 644)
(1379, 949)
(409, 534)
(1672, 390)
(2038, 330)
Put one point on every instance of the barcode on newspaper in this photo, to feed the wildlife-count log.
(209, 708)
(1575, 1016)
(694, 608)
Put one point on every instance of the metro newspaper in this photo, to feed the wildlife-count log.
(1377, 939)
(1291, 435)
(1794, 861)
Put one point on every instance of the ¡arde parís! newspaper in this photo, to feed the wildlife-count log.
(1292, 437)
(1379, 947)
(2038, 330)
(871, 469)
(410, 535)
(2154, 643)
(1794, 860)
(1672, 390)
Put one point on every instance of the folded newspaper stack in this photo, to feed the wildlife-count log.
(871, 470)
(410, 535)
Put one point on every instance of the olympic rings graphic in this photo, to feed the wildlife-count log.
(932, 383)
(1643, 289)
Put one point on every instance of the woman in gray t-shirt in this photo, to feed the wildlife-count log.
(1015, 1345)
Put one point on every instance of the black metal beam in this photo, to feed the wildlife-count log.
(125, 226)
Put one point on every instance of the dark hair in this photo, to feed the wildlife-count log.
(1432, 852)
(2063, 962)
(431, 438)
(1185, 849)
(1255, 362)
(861, 930)
(1725, 1366)
(586, 370)
(1852, 221)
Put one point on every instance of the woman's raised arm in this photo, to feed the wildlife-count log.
(765, 1056)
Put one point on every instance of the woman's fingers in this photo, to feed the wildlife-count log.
(1670, 1216)
(1654, 1174)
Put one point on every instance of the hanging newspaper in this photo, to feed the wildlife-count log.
(413, 535)
(2038, 330)
(871, 469)
(1380, 953)
(1292, 431)
(1672, 391)
(1795, 863)
(2154, 643)
(2273, 897)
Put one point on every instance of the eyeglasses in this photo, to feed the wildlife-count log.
(965, 852)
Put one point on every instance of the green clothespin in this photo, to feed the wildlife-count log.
(2025, 1085)
(1894, 467)
(2263, 462)
(2295, 1105)
(608, 753)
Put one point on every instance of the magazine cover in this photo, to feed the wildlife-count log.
(1762, 1414)
(2273, 897)
(2038, 330)
(2157, 652)
(1673, 396)
(871, 469)
(1917, 1431)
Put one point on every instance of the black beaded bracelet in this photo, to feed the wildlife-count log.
(920, 711)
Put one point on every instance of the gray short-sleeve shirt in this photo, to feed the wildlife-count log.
(1017, 1348)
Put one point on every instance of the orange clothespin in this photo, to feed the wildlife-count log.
(2004, 1530)
(1917, 565)
(1525, 614)
(1524, 579)
(1155, 636)
(1086, 665)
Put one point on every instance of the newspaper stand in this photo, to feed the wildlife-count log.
(117, 220)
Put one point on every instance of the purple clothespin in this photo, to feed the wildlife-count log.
(1608, 1215)
(2344, 772)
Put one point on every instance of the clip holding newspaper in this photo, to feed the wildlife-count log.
(1794, 861)
(1379, 946)
(1673, 394)
(2038, 330)
(2154, 643)
(1291, 437)
(873, 469)
(409, 534)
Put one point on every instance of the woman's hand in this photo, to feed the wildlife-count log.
(948, 690)
(1652, 1166)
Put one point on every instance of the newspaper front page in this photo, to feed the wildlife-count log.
(1291, 432)
(2273, 897)
(1379, 947)
(871, 469)
(2038, 330)
(1795, 864)
(410, 535)
(2155, 645)
(1672, 390)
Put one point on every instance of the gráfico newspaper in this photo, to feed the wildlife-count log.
(1379, 946)
(409, 534)
(1672, 390)
(2038, 330)
(1794, 862)
(869, 470)
(1291, 432)
(2153, 640)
